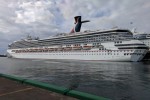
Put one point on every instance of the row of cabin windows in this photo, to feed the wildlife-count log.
(147, 43)
(106, 51)
(88, 54)
(83, 54)
(118, 42)
(68, 45)
(114, 35)
(132, 54)
(90, 39)
(47, 44)
(76, 45)
(65, 42)
(96, 43)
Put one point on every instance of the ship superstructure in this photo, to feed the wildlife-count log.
(108, 45)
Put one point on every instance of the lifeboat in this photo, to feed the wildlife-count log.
(77, 48)
(87, 47)
(67, 48)
(16, 51)
(49, 49)
(45, 50)
(60, 49)
(39, 50)
(13, 50)
(56, 49)
(36, 50)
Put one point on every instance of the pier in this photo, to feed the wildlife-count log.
(15, 88)
(3, 55)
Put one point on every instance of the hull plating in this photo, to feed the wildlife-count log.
(124, 55)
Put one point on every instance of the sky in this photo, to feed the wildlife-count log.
(43, 18)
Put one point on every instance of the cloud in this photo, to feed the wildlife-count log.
(34, 12)
(46, 17)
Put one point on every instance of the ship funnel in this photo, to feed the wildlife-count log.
(78, 24)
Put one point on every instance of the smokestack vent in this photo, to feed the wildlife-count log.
(78, 24)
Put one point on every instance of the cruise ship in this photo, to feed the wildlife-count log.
(144, 38)
(101, 45)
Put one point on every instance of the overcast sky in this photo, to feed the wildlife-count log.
(43, 18)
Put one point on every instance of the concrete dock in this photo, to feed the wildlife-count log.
(17, 88)
(13, 90)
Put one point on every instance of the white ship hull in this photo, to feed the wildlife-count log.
(104, 55)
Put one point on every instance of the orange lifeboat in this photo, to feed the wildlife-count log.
(60, 49)
(77, 48)
(87, 47)
(67, 48)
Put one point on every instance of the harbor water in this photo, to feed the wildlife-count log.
(114, 80)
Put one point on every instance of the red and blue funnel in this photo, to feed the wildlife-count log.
(78, 24)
